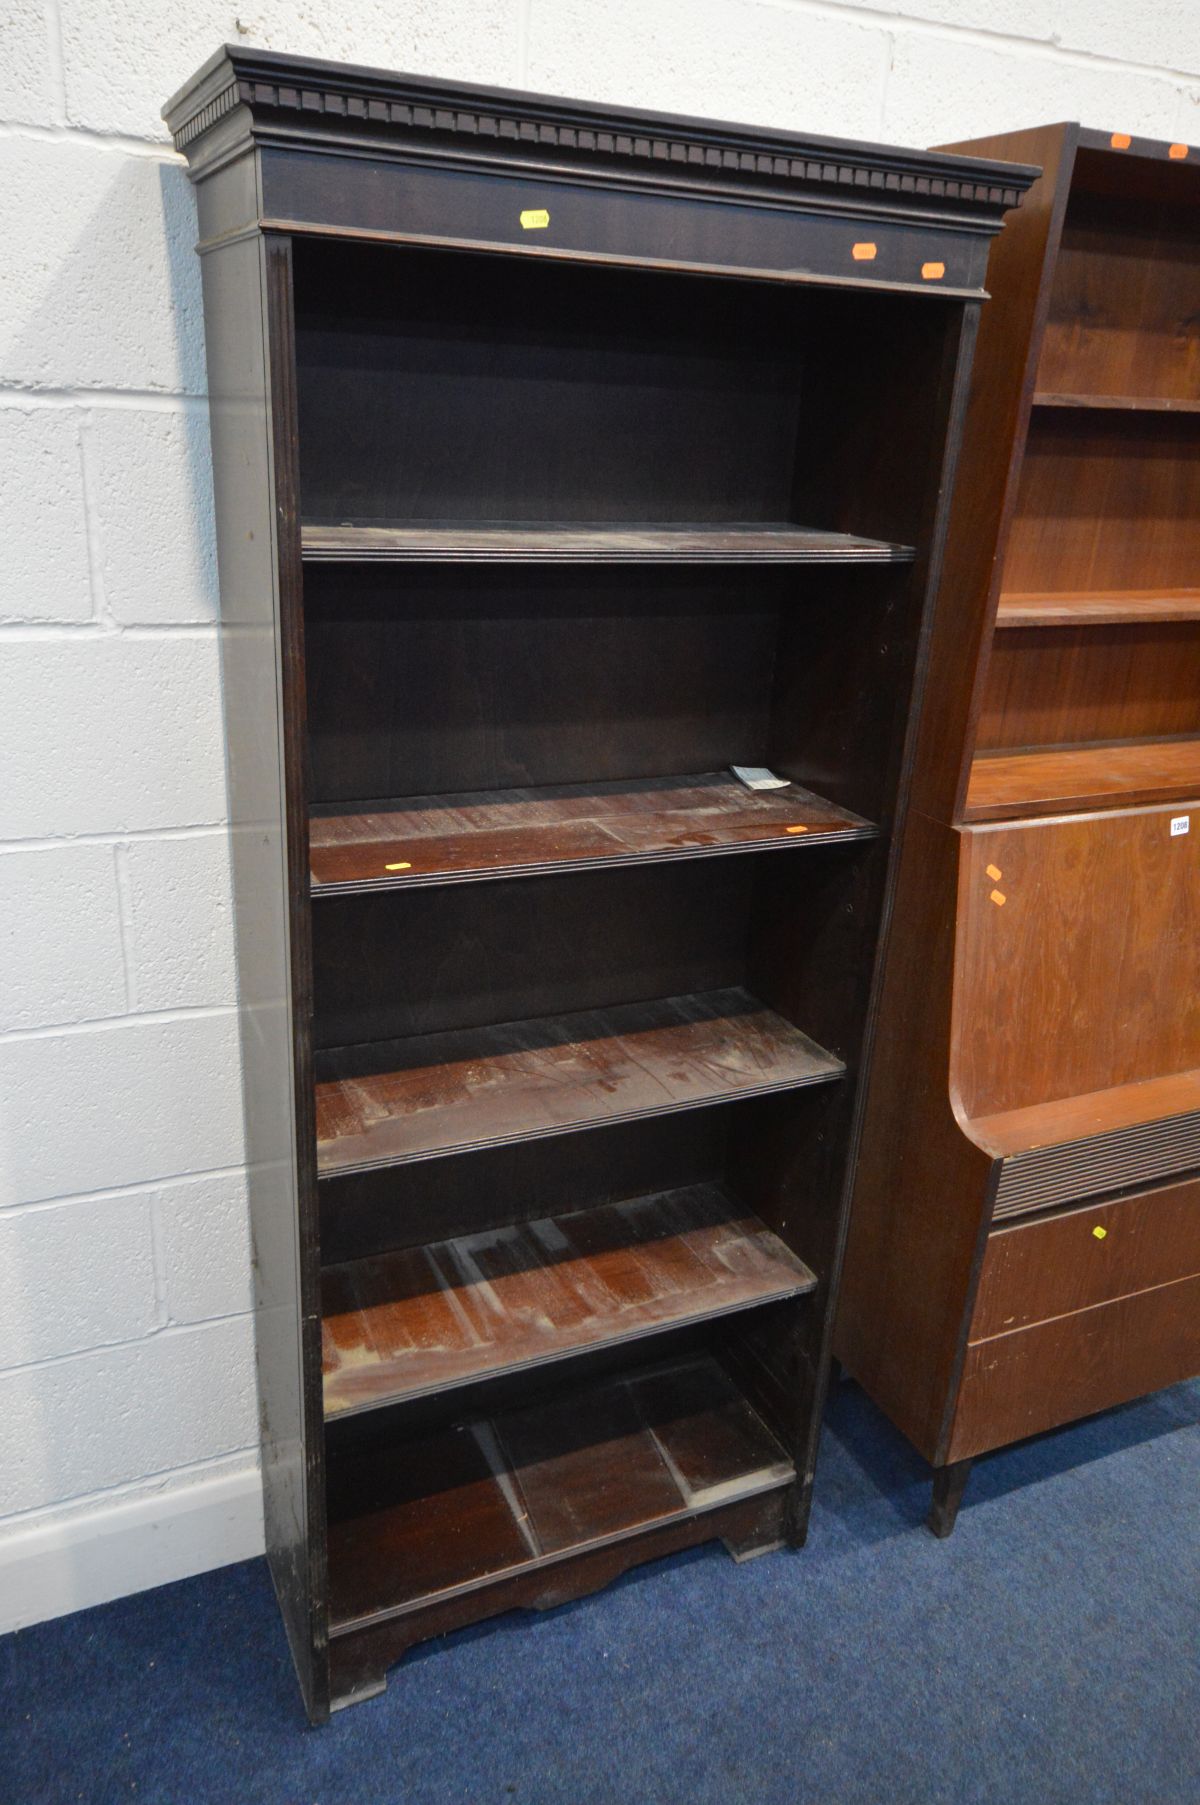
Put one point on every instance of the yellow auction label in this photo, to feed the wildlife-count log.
(534, 216)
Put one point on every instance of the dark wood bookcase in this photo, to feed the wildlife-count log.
(1033, 1121)
(564, 459)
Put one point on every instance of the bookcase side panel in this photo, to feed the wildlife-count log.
(244, 288)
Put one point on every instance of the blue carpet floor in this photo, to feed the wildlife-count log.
(1048, 1653)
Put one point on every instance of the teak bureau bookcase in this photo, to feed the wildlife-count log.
(1032, 1132)
(564, 459)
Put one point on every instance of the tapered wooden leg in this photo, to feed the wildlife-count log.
(949, 1484)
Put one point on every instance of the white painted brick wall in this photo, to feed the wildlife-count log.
(126, 1374)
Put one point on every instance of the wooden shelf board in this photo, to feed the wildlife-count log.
(1079, 1118)
(475, 1505)
(422, 1319)
(598, 542)
(1131, 404)
(436, 1094)
(560, 827)
(1116, 774)
(1111, 608)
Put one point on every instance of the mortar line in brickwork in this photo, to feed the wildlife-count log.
(172, 1331)
(93, 535)
(146, 1018)
(901, 22)
(143, 1186)
(124, 144)
(40, 632)
(184, 831)
(162, 1312)
(125, 918)
(55, 61)
(142, 401)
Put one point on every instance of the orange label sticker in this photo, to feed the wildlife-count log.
(1177, 151)
(863, 253)
(995, 873)
(1099, 1232)
(533, 217)
(404, 865)
(999, 898)
(1120, 140)
(795, 830)
(933, 272)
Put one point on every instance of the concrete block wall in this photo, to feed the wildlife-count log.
(126, 1372)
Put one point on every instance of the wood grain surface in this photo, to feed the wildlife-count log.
(534, 1485)
(1123, 304)
(1084, 976)
(1086, 1114)
(1033, 1271)
(1106, 501)
(1082, 777)
(442, 1092)
(438, 542)
(1053, 1372)
(424, 1318)
(497, 833)
(1114, 607)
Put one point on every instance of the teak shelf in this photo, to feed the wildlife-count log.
(565, 459)
(1033, 1120)
(1112, 608)
(1016, 785)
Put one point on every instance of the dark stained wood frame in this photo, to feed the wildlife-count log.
(286, 152)
(986, 1116)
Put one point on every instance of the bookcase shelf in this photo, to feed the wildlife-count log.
(562, 827)
(515, 1495)
(481, 1087)
(420, 1319)
(1008, 785)
(1104, 608)
(550, 1029)
(1133, 404)
(599, 542)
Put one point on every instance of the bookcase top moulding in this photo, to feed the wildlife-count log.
(935, 212)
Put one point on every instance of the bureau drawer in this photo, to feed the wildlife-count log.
(1037, 1270)
(1053, 1372)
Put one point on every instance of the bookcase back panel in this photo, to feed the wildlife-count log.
(433, 681)
(432, 961)
(1051, 687)
(1106, 501)
(1123, 300)
(405, 1206)
(445, 386)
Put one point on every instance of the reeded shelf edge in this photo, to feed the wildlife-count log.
(448, 542)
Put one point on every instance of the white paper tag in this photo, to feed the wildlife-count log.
(757, 777)
(1180, 824)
